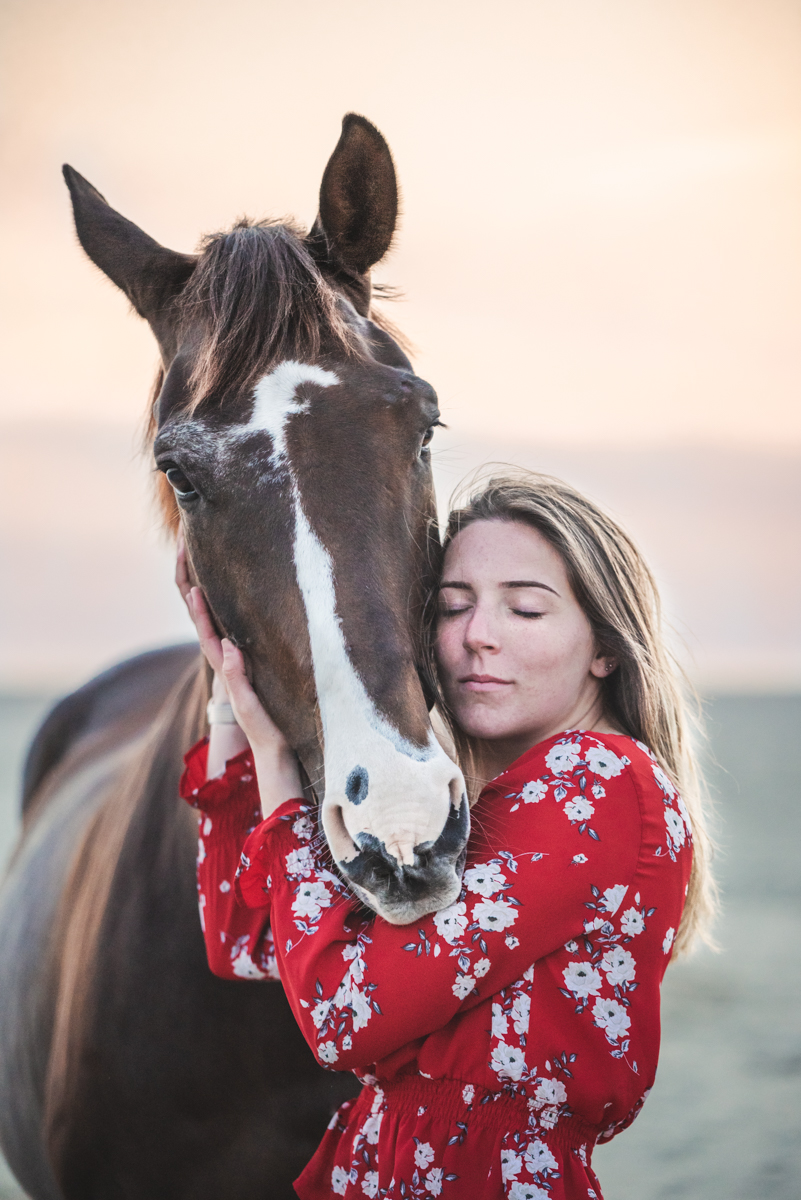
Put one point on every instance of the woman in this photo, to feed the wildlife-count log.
(501, 1038)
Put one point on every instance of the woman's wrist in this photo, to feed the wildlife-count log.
(226, 738)
(278, 775)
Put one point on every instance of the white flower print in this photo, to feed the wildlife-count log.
(245, 968)
(352, 953)
(463, 986)
(225, 886)
(499, 1021)
(632, 922)
(372, 1127)
(539, 1158)
(511, 1165)
(507, 1061)
(604, 763)
(550, 1092)
(362, 1012)
(618, 966)
(300, 861)
(572, 947)
(303, 829)
(434, 1181)
(579, 858)
(340, 1178)
(327, 1052)
(533, 792)
(579, 809)
(675, 827)
(207, 827)
(468, 1093)
(370, 1184)
(311, 899)
(685, 816)
(511, 941)
(612, 1017)
(451, 922)
(582, 979)
(527, 1191)
(320, 1011)
(561, 758)
(549, 1117)
(663, 780)
(481, 967)
(520, 1012)
(423, 1155)
(494, 914)
(613, 898)
(667, 944)
(484, 879)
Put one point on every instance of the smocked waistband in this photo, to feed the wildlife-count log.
(501, 1112)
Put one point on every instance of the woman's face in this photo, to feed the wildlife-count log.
(516, 653)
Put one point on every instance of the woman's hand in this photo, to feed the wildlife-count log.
(276, 763)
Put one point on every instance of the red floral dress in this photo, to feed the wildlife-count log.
(501, 1038)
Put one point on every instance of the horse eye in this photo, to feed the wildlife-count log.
(177, 480)
(427, 436)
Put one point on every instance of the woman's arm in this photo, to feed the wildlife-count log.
(361, 989)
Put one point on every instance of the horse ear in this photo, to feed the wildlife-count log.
(358, 197)
(149, 274)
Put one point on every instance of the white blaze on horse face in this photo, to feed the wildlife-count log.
(276, 400)
(407, 789)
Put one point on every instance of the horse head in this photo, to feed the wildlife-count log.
(293, 436)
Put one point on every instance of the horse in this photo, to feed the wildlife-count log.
(291, 439)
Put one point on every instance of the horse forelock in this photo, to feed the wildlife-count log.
(257, 297)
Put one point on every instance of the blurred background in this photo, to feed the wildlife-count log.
(600, 262)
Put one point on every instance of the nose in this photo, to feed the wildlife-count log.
(481, 631)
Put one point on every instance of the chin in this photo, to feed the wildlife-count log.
(486, 726)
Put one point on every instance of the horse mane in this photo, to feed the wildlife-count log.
(152, 771)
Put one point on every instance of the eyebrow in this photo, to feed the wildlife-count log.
(512, 583)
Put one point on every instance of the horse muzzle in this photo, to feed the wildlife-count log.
(402, 854)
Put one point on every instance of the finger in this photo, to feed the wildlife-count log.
(257, 724)
(207, 634)
(181, 568)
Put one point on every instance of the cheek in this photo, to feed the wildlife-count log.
(566, 648)
(446, 650)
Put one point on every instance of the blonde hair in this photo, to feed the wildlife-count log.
(647, 696)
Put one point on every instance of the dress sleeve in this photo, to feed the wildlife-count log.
(238, 940)
(361, 988)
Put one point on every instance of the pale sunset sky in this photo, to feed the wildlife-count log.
(600, 255)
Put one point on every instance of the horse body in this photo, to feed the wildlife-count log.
(292, 433)
(180, 1084)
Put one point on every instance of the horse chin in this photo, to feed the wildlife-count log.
(405, 910)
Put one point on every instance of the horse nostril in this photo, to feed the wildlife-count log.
(357, 785)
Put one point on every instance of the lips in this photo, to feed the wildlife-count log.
(483, 683)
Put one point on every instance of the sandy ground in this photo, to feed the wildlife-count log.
(722, 1122)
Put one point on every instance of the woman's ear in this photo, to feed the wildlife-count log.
(603, 665)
